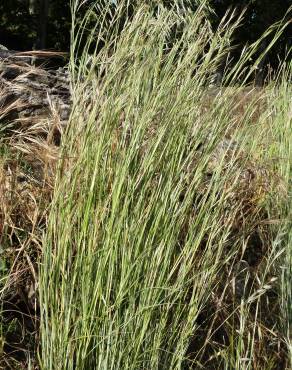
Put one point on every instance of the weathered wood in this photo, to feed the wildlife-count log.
(4, 53)
(37, 91)
(30, 56)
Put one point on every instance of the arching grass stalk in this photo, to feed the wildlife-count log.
(146, 203)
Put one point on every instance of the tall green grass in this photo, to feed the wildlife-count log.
(280, 102)
(152, 207)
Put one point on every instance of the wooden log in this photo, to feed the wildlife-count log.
(36, 89)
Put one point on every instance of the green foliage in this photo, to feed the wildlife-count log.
(20, 24)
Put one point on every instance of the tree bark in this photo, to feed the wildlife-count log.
(43, 24)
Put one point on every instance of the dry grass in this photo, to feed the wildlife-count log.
(27, 173)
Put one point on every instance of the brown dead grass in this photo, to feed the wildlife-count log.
(27, 174)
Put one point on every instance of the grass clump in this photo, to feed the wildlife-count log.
(161, 249)
(155, 232)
